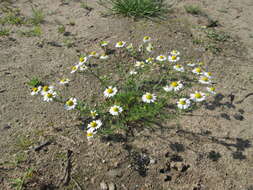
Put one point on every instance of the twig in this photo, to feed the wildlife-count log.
(67, 171)
(245, 97)
(37, 148)
(3, 90)
(77, 184)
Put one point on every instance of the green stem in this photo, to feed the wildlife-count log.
(97, 77)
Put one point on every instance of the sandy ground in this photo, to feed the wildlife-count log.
(211, 149)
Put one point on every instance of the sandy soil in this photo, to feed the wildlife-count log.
(211, 149)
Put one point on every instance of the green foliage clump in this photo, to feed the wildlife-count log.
(37, 17)
(4, 32)
(61, 29)
(34, 32)
(193, 9)
(13, 17)
(34, 82)
(141, 89)
(137, 8)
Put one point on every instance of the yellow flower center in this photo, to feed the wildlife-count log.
(212, 89)
(146, 38)
(209, 74)
(130, 46)
(93, 124)
(178, 66)
(161, 57)
(182, 102)
(93, 53)
(35, 89)
(198, 69)
(69, 103)
(89, 134)
(150, 48)
(63, 80)
(174, 84)
(173, 57)
(81, 59)
(49, 95)
(109, 90)
(149, 96)
(198, 95)
(45, 88)
(93, 114)
(74, 68)
(120, 43)
(204, 79)
(115, 109)
(150, 59)
(174, 52)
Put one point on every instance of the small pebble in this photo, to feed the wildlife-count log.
(6, 127)
(238, 117)
(112, 186)
(103, 186)
(152, 161)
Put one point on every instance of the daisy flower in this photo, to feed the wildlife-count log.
(70, 104)
(49, 97)
(104, 56)
(133, 72)
(148, 98)
(139, 64)
(150, 48)
(120, 44)
(161, 58)
(104, 43)
(198, 96)
(211, 90)
(115, 110)
(36, 90)
(82, 60)
(191, 64)
(175, 52)
(149, 60)
(197, 71)
(178, 68)
(208, 74)
(174, 86)
(93, 114)
(146, 39)
(173, 58)
(64, 81)
(95, 124)
(74, 68)
(90, 133)
(205, 80)
(130, 47)
(46, 89)
(83, 68)
(183, 103)
(110, 91)
(93, 54)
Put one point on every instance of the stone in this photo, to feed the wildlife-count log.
(103, 186)
(114, 173)
(152, 161)
(112, 186)
(6, 127)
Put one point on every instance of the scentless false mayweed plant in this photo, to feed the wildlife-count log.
(143, 87)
